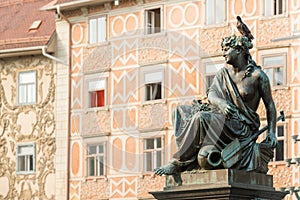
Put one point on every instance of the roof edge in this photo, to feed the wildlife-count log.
(21, 51)
(73, 5)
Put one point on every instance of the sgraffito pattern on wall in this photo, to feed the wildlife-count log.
(27, 123)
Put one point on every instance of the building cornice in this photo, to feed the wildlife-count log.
(75, 4)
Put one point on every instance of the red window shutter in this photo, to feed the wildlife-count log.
(100, 98)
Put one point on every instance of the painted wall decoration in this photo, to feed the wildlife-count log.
(181, 48)
(21, 124)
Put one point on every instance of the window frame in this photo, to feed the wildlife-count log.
(26, 101)
(214, 23)
(153, 153)
(97, 77)
(284, 69)
(33, 145)
(95, 156)
(97, 29)
(151, 69)
(273, 14)
(285, 142)
(146, 10)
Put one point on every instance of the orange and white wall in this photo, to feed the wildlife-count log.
(180, 51)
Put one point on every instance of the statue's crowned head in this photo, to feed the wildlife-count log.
(237, 42)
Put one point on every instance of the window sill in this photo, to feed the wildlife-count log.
(280, 87)
(262, 18)
(211, 26)
(96, 109)
(98, 44)
(153, 102)
(162, 33)
(95, 178)
(27, 104)
(275, 164)
(25, 173)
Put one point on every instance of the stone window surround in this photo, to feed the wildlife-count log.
(33, 146)
(94, 77)
(147, 69)
(272, 53)
(95, 141)
(21, 84)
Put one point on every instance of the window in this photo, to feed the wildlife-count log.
(153, 21)
(273, 7)
(274, 66)
(210, 70)
(96, 160)
(279, 151)
(27, 87)
(153, 85)
(25, 158)
(97, 30)
(97, 93)
(152, 153)
(215, 11)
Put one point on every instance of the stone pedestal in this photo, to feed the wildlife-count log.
(220, 184)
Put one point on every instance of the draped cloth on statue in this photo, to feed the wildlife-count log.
(202, 125)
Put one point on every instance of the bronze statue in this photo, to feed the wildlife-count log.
(204, 130)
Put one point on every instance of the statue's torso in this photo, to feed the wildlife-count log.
(248, 87)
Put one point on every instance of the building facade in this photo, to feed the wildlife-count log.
(27, 101)
(131, 62)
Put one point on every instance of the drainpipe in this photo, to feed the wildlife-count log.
(44, 52)
(69, 104)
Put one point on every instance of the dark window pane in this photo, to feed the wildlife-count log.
(91, 166)
(280, 9)
(150, 144)
(280, 131)
(153, 91)
(100, 149)
(157, 91)
(157, 20)
(279, 151)
(278, 76)
(92, 150)
(158, 141)
(21, 163)
(31, 162)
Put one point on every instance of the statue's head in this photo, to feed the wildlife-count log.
(237, 42)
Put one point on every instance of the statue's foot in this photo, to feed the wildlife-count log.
(168, 169)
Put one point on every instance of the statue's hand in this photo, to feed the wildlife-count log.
(272, 140)
(227, 108)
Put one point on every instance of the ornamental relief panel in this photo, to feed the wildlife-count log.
(153, 49)
(96, 123)
(210, 40)
(153, 116)
(272, 29)
(27, 123)
(98, 58)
